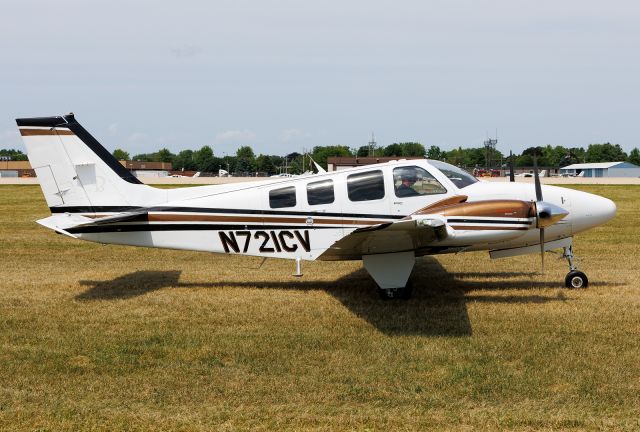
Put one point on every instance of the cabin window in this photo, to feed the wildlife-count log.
(415, 181)
(320, 192)
(284, 197)
(458, 176)
(366, 186)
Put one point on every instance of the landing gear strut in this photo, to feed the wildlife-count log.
(575, 278)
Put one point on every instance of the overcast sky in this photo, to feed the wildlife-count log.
(286, 75)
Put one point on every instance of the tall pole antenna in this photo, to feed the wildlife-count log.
(489, 150)
(372, 145)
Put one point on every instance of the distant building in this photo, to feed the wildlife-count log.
(337, 163)
(138, 168)
(143, 165)
(602, 169)
(148, 169)
(9, 168)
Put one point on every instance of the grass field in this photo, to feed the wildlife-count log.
(118, 338)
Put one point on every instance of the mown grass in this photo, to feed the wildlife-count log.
(119, 338)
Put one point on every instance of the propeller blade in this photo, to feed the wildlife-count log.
(512, 177)
(542, 248)
(537, 179)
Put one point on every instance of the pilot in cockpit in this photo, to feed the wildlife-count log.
(407, 179)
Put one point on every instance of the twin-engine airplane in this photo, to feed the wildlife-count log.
(385, 215)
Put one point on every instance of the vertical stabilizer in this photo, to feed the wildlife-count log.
(75, 171)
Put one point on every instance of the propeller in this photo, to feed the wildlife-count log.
(546, 213)
(536, 179)
(511, 174)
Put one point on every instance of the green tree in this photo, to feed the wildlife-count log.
(634, 157)
(164, 155)
(15, 155)
(606, 152)
(184, 161)
(406, 149)
(393, 150)
(120, 154)
(458, 157)
(413, 149)
(363, 151)
(524, 160)
(204, 160)
(264, 163)
(321, 153)
(245, 152)
(245, 160)
(294, 167)
(144, 157)
(434, 152)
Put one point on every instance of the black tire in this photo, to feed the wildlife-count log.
(576, 279)
(396, 293)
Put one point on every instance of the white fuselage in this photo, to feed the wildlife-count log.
(241, 218)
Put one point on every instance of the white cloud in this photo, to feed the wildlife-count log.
(186, 51)
(292, 134)
(10, 139)
(113, 129)
(235, 135)
(137, 138)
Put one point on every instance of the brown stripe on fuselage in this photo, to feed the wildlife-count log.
(489, 208)
(33, 132)
(157, 217)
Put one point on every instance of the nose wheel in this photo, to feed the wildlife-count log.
(575, 278)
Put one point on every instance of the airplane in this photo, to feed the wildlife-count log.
(386, 214)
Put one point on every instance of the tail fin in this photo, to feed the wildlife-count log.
(75, 172)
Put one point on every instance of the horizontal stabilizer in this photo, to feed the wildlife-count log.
(135, 216)
(60, 223)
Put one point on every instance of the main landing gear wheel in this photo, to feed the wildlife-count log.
(396, 293)
(576, 279)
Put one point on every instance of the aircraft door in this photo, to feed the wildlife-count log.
(323, 201)
(413, 188)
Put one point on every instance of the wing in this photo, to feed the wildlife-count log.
(423, 229)
(412, 233)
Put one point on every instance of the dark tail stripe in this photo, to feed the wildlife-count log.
(42, 121)
(102, 152)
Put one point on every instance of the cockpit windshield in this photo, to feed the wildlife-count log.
(458, 176)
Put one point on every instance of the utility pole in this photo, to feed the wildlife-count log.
(372, 146)
(489, 149)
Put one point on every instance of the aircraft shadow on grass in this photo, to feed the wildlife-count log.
(438, 306)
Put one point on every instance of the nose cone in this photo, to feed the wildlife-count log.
(590, 210)
(603, 210)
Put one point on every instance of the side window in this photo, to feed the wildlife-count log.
(320, 192)
(285, 197)
(415, 181)
(366, 186)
